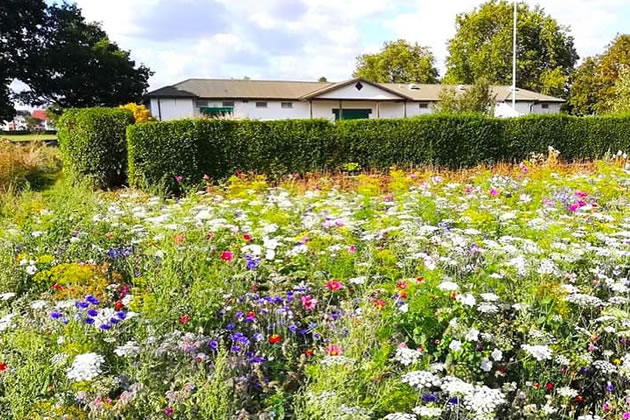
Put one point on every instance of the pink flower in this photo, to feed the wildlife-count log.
(468, 190)
(494, 192)
(626, 415)
(206, 177)
(352, 249)
(308, 302)
(227, 256)
(333, 350)
(606, 407)
(389, 197)
(334, 285)
(179, 178)
(168, 411)
(523, 167)
(581, 194)
(573, 207)
(581, 203)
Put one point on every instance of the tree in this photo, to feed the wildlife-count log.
(33, 123)
(477, 99)
(619, 103)
(18, 21)
(398, 62)
(482, 47)
(63, 59)
(322, 79)
(596, 81)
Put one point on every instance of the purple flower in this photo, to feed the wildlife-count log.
(105, 326)
(92, 312)
(429, 398)
(213, 344)
(82, 305)
(91, 299)
(89, 321)
(56, 315)
(121, 315)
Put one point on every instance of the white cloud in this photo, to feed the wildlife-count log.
(306, 39)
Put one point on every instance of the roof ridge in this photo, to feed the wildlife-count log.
(250, 80)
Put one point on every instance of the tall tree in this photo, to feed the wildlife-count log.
(596, 81)
(62, 59)
(78, 66)
(18, 23)
(398, 62)
(482, 47)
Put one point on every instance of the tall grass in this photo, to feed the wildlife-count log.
(32, 164)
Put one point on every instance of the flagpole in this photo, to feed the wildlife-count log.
(514, 62)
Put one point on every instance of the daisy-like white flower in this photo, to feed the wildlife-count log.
(85, 367)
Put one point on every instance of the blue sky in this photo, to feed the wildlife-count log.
(306, 39)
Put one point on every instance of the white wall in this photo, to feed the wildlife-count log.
(172, 108)
(367, 92)
(188, 108)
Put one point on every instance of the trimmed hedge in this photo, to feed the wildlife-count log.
(93, 144)
(159, 151)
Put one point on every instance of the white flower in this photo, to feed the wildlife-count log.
(358, 280)
(473, 335)
(39, 304)
(539, 353)
(489, 297)
(6, 296)
(486, 364)
(428, 411)
(421, 379)
(404, 308)
(127, 300)
(487, 308)
(467, 299)
(31, 269)
(497, 355)
(407, 356)
(568, 392)
(5, 321)
(400, 416)
(131, 348)
(86, 367)
(455, 345)
(448, 286)
(525, 198)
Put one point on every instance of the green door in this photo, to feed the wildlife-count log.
(352, 114)
(217, 111)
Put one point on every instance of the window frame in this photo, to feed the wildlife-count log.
(286, 105)
(262, 104)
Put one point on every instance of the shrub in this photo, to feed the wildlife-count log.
(93, 145)
(140, 112)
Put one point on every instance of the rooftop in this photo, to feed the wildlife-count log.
(299, 90)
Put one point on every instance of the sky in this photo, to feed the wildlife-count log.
(307, 39)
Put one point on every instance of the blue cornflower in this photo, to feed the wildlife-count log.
(230, 326)
(239, 315)
(252, 262)
(56, 315)
(92, 312)
(293, 328)
(121, 315)
(105, 326)
(235, 349)
(258, 336)
(114, 320)
(256, 359)
(91, 299)
(89, 321)
(453, 401)
(429, 398)
(82, 305)
(213, 344)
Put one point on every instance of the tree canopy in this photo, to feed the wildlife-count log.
(477, 98)
(398, 62)
(598, 80)
(62, 59)
(482, 48)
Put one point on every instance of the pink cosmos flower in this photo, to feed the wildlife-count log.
(626, 415)
(334, 285)
(352, 249)
(581, 194)
(308, 302)
(573, 208)
(333, 350)
(494, 192)
(227, 256)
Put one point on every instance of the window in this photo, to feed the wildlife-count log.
(545, 106)
(287, 105)
(359, 86)
(261, 104)
(423, 105)
(228, 103)
(201, 104)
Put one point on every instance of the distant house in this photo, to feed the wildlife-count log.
(351, 99)
(19, 121)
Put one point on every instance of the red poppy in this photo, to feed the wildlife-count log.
(403, 295)
(118, 305)
(57, 287)
(109, 235)
(3, 367)
(247, 237)
(179, 238)
(549, 386)
(275, 338)
(309, 352)
(579, 399)
(184, 319)
(227, 256)
(419, 279)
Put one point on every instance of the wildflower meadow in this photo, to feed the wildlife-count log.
(493, 293)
